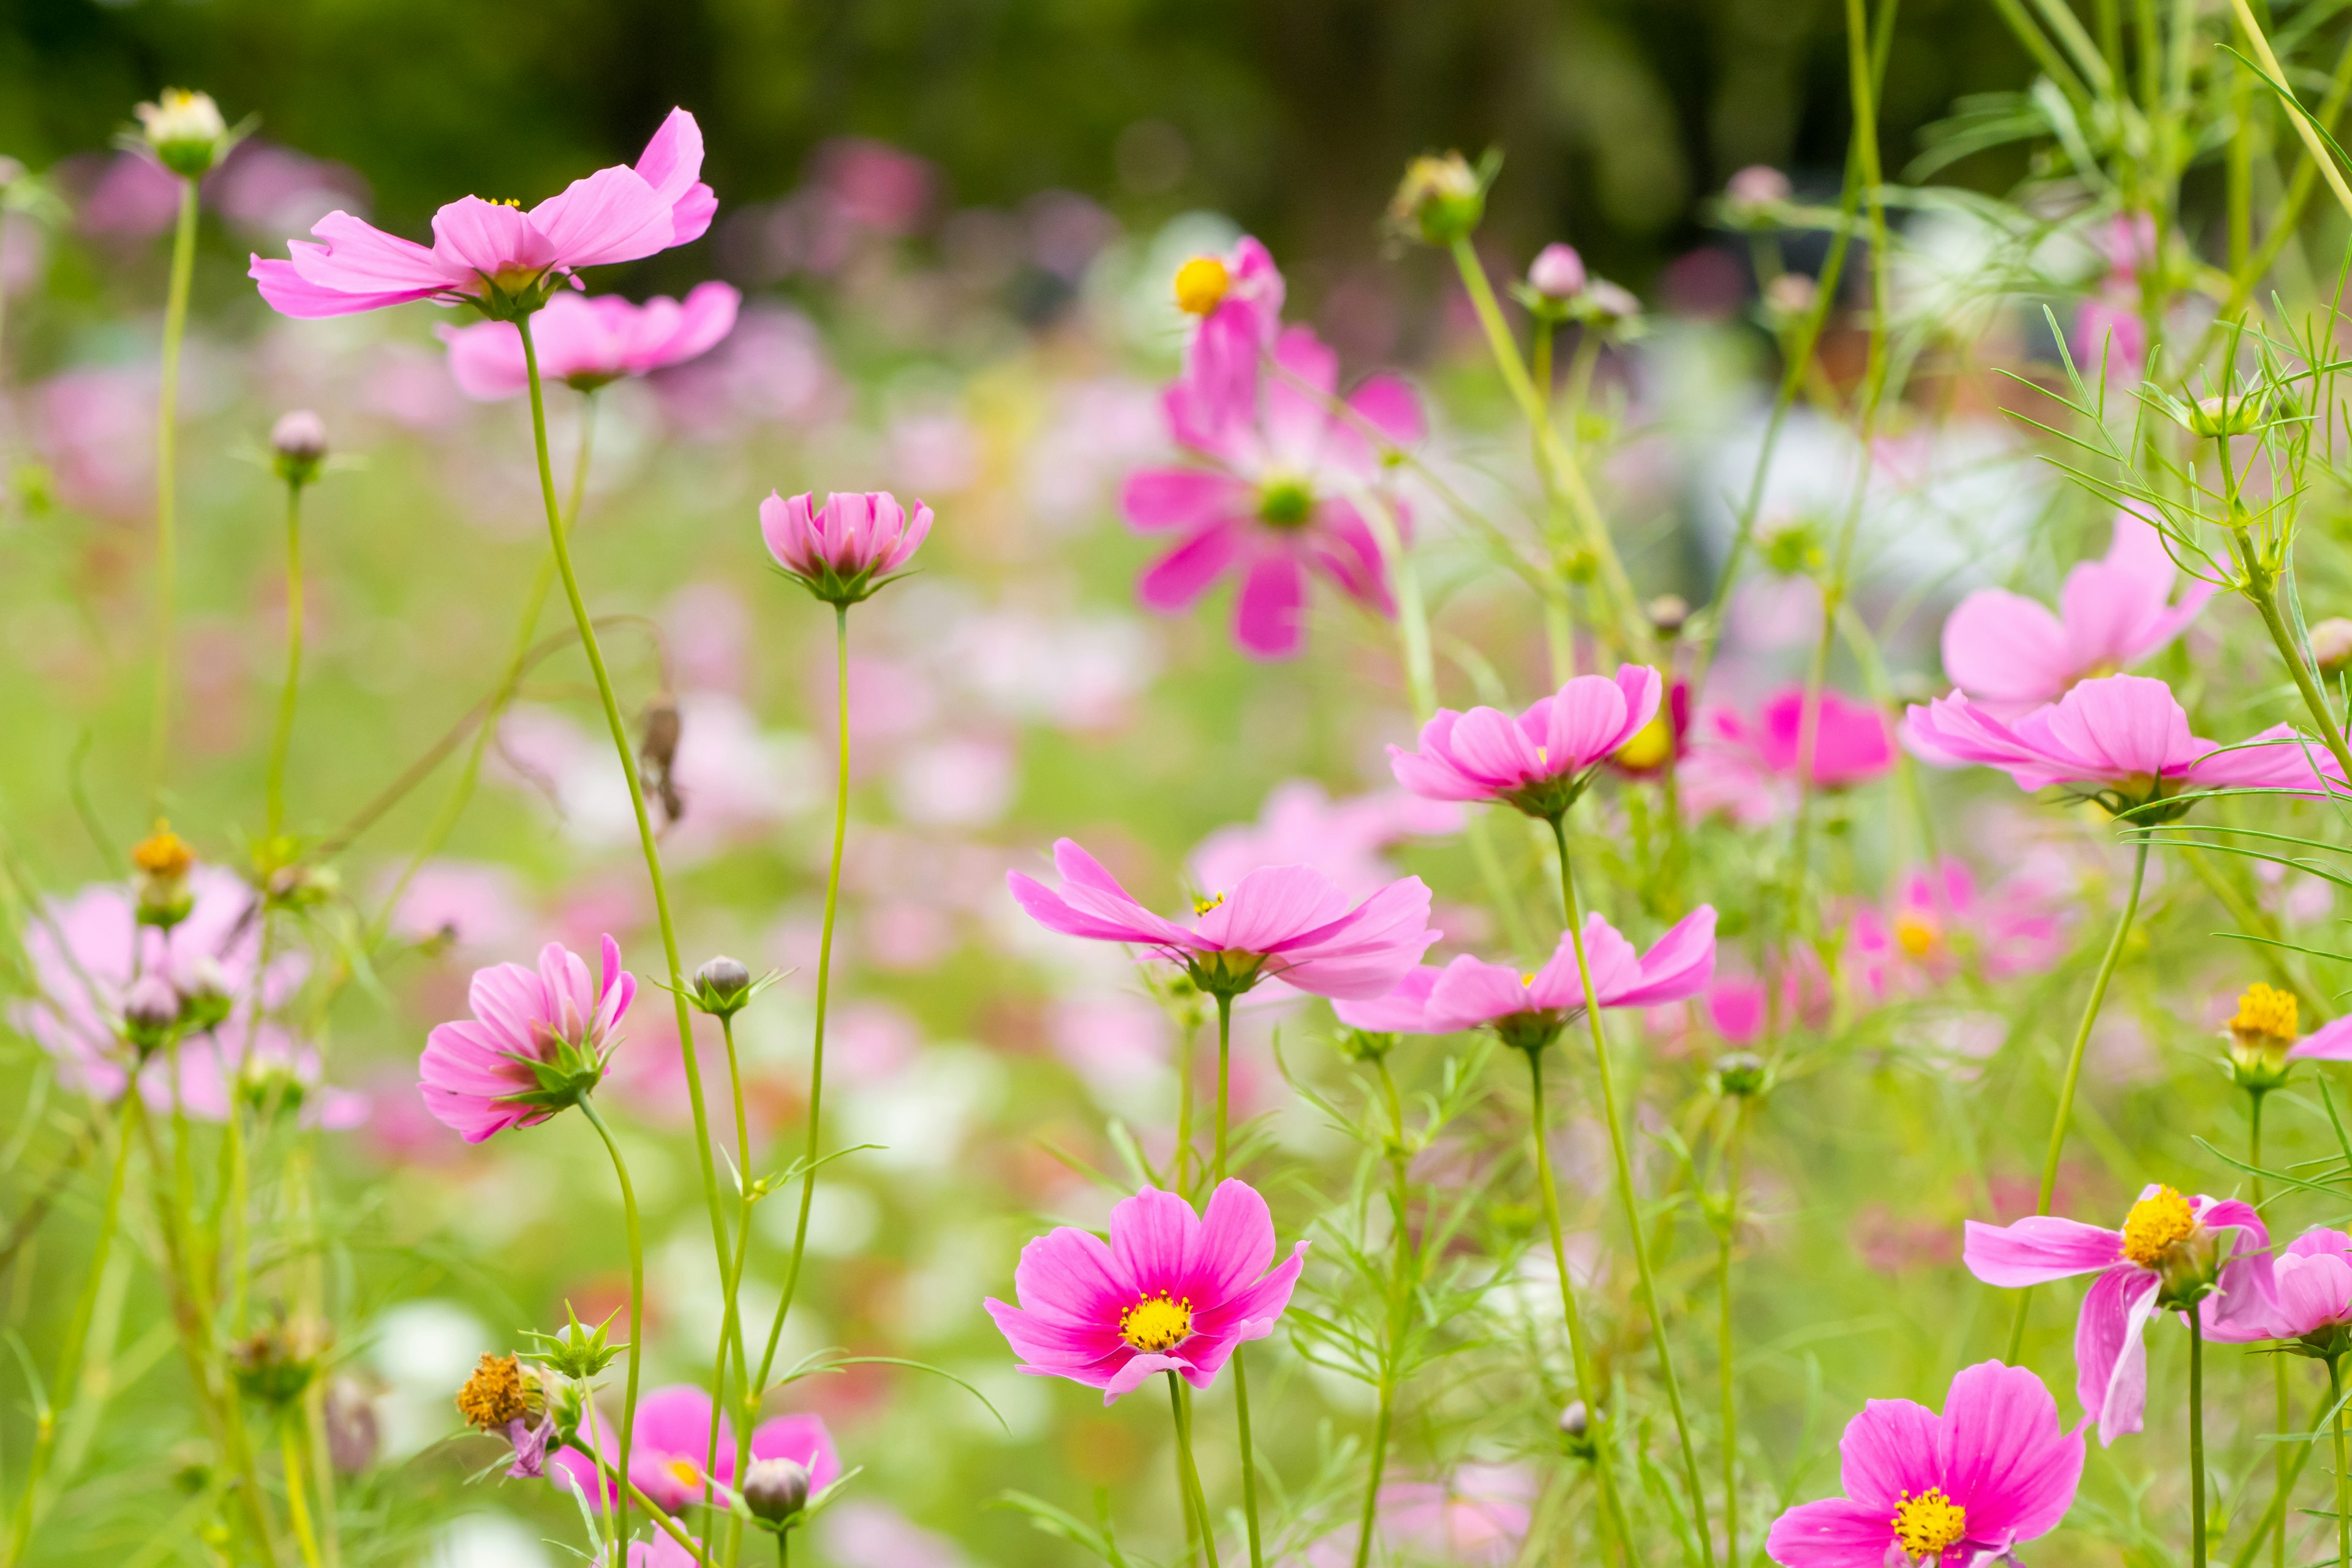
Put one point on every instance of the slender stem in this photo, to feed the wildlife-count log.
(1402, 1280)
(2342, 1482)
(626, 1488)
(2074, 1074)
(1182, 1160)
(1580, 1353)
(1187, 1469)
(1630, 1200)
(2274, 1513)
(2263, 590)
(2197, 1439)
(637, 1301)
(1225, 1072)
(1216, 1179)
(2302, 127)
(734, 1275)
(1726, 1238)
(298, 1507)
(2278, 1363)
(167, 423)
(283, 737)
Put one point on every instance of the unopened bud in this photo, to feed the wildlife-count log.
(723, 987)
(1440, 199)
(2331, 644)
(1609, 308)
(1557, 272)
(775, 1490)
(1575, 1420)
(205, 1000)
(1758, 186)
(2225, 415)
(151, 1010)
(1668, 613)
(186, 129)
(1740, 1073)
(1791, 295)
(1365, 1045)
(299, 441)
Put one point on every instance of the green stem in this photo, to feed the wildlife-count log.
(2263, 588)
(283, 737)
(1224, 1070)
(1630, 1200)
(2278, 1363)
(2197, 1439)
(2073, 1075)
(1401, 1279)
(2342, 1482)
(1241, 1378)
(1580, 1353)
(636, 1299)
(1724, 1341)
(1187, 1469)
(298, 1507)
(731, 1328)
(167, 421)
(1181, 1160)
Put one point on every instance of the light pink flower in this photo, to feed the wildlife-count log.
(1750, 768)
(1938, 923)
(845, 549)
(2166, 1237)
(1283, 923)
(2121, 739)
(1557, 273)
(1994, 1472)
(499, 258)
(1266, 501)
(537, 1042)
(1539, 762)
(1171, 1291)
(671, 1440)
(2010, 654)
(1302, 825)
(587, 343)
(469, 904)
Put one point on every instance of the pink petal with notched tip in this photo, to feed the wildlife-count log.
(359, 258)
(1558, 985)
(672, 165)
(1151, 1239)
(2006, 1459)
(1269, 612)
(1892, 1447)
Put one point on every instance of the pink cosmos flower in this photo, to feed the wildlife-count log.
(500, 257)
(2171, 1249)
(1529, 1010)
(586, 342)
(1969, 1486)
(2121, 739)
(1539, 762)
(2010, 654)
(671, 1440)
(537, 1042)
(1475, 1517)
(1266, 501)
(1938, 922)
(1171, 1291)
(846, 548)
(1302, 825)
(1749, 769)
(1283, 923)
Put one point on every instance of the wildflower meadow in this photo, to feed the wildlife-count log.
(692, 876)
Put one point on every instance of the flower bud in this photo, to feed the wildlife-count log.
(1750, 196)
(1557, 273)
(1790, 296)
(723, 987)
(2331, 644)
(299, 441)
(1364, 1044)
(1668, 613)
(1740, 1074)
(1201, 285)
(1609, 307)
(1440, 199)
(2261, 1032)
(161, 862)
(185, 131)
(151, 1012)
(775, 1490)
(205, 1000)
(2225, 415)
(1575, 1420)
(275, 1363)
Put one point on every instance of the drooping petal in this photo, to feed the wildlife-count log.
(2110, 1351)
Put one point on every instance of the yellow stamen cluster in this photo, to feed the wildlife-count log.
(2265, 1015)
(1201, 285)
(1156, 1324)
(494, 1395)
(1651, 745)
(1928, 1524)
(1202, 905)
(686, 1472)
(2157, 1224)
(163, 852)
(1915, 933)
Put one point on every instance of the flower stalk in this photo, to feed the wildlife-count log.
(636, 1305)
(167, 544)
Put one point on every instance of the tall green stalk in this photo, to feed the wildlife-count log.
(2197, 1440)
(1198, 1501)
(297, 1506)
(2073, 1075)
(282, 738)
(1726, 1237)
(167, 541)
(1241, 1378)
(1631, 1201)
(637, 1306)
(1402, 1278)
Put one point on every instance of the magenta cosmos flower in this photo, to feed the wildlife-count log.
(671, 1440)
(2010, 654)
(495, 255)
(1529, 1010)
(2311, 1295)
(1539, 762)
(1993, 1472)
(846, 548)
(2172, 1252)
(586, 343)
(1171, 1291)
(536, 1043)
(1748, 767)
(2121, 739)
(1266, 498)
(1280, 922)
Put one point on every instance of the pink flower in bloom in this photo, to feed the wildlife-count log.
(1938, 923)
(2311, 1293)
(670, 1441)
(1749, 769)
(1993, 1472)
(1264, 503)
(1539, 762)
(2122, 740)
(536, 1043)
(1283, 923)
(2171, 1252)
(1248, 289)
(842, 551)
(501, 258)
(1529, 1010)
(1302, 825)
(2010, 654)
(1170, 1292)
(586, 342)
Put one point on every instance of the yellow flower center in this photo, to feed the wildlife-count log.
(2157, 1224)
(686, 1472)
(1929, 1523)
(163, 852)
(1916, 934)
(2265, 1014)
(1156, 1323)
(1202, 905)
(1650, 745)
(1201, 285)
